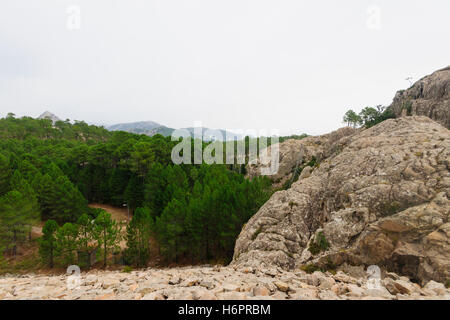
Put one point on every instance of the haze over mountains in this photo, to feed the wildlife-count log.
(152, 128)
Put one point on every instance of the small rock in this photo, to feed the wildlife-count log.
(260, 291)
(355, 291)
(232, 295)
(190, 282)
(153, 296)
(327, 295)
(208, 285)
(405, 287)
(304, 294)
(437, 287)
(175, 281)
(230, 287)
(281, 286)
(392, 275)
(108, 296)
(279, 296)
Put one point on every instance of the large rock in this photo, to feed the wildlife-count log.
(296, 154)
(430, 96)
(381, 197)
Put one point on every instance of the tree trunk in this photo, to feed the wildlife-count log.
(14, 249)
(51, 256)
(104, 248)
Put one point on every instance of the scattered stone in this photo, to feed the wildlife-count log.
(175, 281)
(108, 296)
(207, 284)
(281, 286)
(437, 287)
(355, 291)
(304, 294)
(260, 291)
(230, 287)
(203, 283)
(153, 296)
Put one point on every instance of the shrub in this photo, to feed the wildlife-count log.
(319, 244)
(256, 233)
(127, 269)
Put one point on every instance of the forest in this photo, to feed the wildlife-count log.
(50, 172)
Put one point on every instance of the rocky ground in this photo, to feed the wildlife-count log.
(218, 283)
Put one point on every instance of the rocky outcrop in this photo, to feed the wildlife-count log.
(378, 196)
(297, 154)
(218, 283)
(49, 116)
(430, 96)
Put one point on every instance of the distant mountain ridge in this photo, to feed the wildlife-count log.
(151, 128)
(50, 116)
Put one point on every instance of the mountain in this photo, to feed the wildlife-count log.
(50, 116)
(213, 134)
(149, 128)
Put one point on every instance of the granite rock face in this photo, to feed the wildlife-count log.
(294, 154)
(378, 196)
(430, 96)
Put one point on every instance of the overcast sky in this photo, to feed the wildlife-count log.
(291, 65)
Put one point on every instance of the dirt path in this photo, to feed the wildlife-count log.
(118, 214)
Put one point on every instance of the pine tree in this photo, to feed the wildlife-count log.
(155, 195)
(66, 244)
(107, 234)
(47, 243)
(85, 239)
(138, 237)
(5, 173)
(134, 193)
(59, 199)
(17, 213)
(171, 228)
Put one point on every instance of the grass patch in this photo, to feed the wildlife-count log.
(310, 268)
(388, 209)
(293, 204)
(256, 233)
(127, 269)
(319, 244)
(328, 267)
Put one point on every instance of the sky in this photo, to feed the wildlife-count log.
(287, 65)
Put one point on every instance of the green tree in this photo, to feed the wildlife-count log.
(17, 213)
(66, 244)
(5, 173)
(107, 234)
(171, 230)
(138, 237)
(59, 199)
(372, 116)
(352, 119)
(134, 193)
(85, 241)
(142, 157)
(47, 243)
